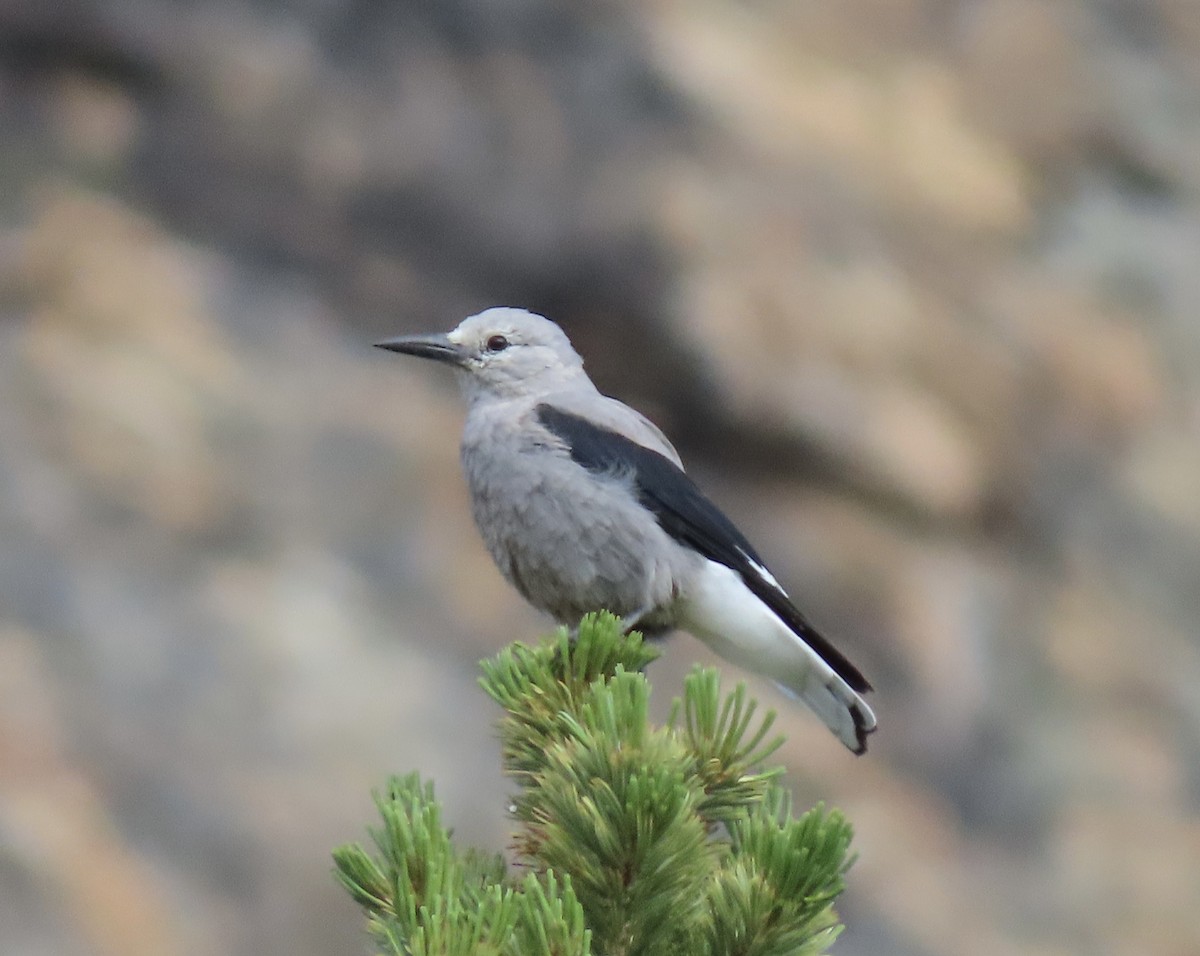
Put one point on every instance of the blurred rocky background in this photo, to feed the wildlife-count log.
(914, 283)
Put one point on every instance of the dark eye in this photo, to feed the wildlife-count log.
(497, 343)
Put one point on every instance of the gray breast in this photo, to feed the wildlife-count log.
(568, 540)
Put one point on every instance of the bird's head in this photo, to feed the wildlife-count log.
(500, 352)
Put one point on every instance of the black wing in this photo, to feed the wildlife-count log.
(688, 517)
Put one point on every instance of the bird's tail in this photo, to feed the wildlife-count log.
(840, 708)
(735, 622)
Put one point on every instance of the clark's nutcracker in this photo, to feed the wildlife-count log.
(584, 505)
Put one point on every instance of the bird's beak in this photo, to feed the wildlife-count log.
(436, 346)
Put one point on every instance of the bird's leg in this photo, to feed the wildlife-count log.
(630, 621)
(641, 620)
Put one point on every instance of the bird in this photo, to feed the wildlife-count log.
(584, 505)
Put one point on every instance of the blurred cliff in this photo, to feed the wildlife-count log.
(915, 283)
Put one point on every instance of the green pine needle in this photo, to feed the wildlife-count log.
(550, 920)
(615, 807)
(537, 686)
(727, 760)
(775, 896)
(636, 840)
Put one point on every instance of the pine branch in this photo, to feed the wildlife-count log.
(537, 686)
(634, 839)
(715, 733)
(775, 896)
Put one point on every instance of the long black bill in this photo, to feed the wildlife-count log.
(437, 347)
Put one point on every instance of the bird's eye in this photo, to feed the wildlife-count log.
(497, 343)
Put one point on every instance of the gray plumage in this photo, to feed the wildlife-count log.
(584, 505)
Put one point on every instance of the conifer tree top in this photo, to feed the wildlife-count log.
(630, 839)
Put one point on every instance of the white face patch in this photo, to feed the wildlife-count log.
(509, 353)
(476, 338)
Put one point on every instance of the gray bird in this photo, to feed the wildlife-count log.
(584, 505)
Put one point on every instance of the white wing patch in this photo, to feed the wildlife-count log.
(762, 572)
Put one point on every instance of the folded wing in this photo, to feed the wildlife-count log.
(690, 518)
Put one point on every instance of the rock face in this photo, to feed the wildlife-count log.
(914, 284)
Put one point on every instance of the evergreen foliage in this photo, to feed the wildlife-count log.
(632, 840)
